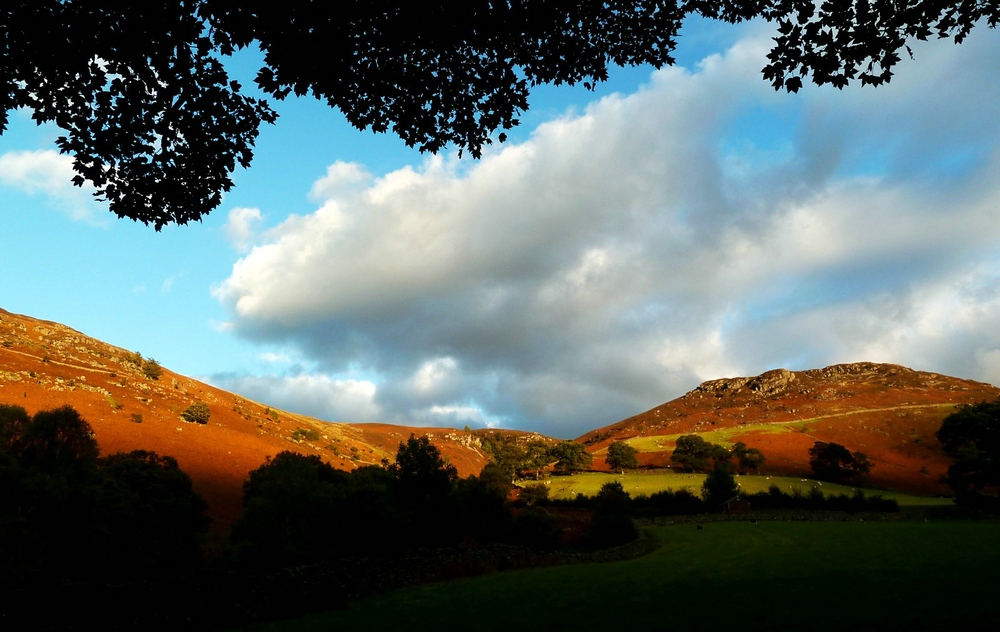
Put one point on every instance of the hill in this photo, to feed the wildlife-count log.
(889, 412)
(45, 365)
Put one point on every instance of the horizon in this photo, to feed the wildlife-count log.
(622, 247)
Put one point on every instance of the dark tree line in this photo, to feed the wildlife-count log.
(694, 454)
(66, 513)
(299, 509)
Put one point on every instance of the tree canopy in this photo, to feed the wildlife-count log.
(971, 436)
(154, 121)
(621, 456)
(834, 462)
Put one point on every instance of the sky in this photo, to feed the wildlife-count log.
(624, 245)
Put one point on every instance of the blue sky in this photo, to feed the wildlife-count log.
(624, 245)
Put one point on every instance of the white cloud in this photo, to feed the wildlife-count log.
(317, 395)
(703, 226)
(241, 227)
(275, 358)
(341, 177)
(49, 173)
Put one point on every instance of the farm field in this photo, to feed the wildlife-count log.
(636, 483)
(908, 575)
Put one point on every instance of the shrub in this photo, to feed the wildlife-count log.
(197, 413)
(152, 369)
(305, 434)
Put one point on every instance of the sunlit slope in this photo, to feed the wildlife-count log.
(889, 412)
(44, 365)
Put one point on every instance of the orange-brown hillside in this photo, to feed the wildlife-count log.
(46, 365)
(889, 412)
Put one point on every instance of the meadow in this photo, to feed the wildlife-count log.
(636, 483)
(901, 575)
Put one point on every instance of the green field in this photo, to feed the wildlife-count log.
(588, 483)
(908, 575)
(723, 436)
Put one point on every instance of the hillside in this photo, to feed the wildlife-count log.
(45, 365)
(889, 412)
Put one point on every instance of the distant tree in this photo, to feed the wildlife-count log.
(505, 453)
(622, 456)
(534, 494)
(833, 462)
(197, 413)
(482, 505)
(693, 454)
(612, 523)
(496, 479)
(569, 456)
(719, 485)
(152, 369)
(536, 456)
(749, 459)
(971, 437)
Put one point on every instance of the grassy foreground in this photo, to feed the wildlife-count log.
(909, 575)
(589, 483)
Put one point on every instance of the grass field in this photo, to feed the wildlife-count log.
(589, 483)
(909, 575)
(723, 436)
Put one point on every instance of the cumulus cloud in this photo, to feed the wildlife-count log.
(703, 226)
(50, 174)
(241, 227)
(316, 395)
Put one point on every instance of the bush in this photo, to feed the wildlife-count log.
(152, 369)
(305, 434)
(197, 413)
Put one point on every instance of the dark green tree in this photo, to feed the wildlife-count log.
(155, 123)
(505, 453)
(49, 515)
(534, 494)
(197, 413)
(622, 456)
(749, 459)
(569, 456)
(971, 437)
(290, 511)
(719, 485)
(612, 523)
(833, 462)
(423, 491)
(536, 457)
(153, 517)
(693, 454)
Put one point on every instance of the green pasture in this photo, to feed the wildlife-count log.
(723, 436)
(589, 483)
(906, 575)
(727, 436)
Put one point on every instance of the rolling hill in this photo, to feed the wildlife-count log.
(886, 411)
(45, 365)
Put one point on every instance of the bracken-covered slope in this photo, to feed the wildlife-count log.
(45, 365)
(889, 412)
